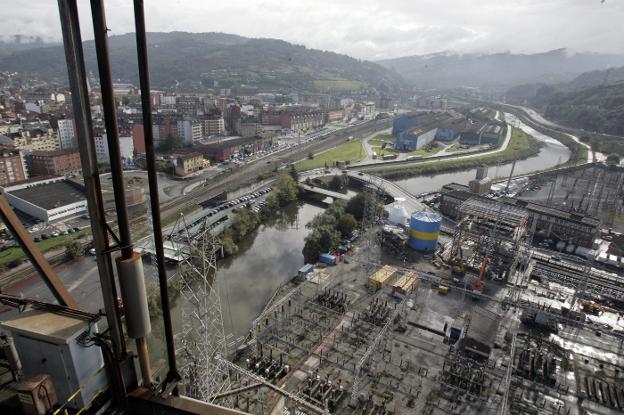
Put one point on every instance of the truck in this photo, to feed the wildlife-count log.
(389, 156)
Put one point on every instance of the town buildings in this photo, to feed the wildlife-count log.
(55, 163)
(12, 166)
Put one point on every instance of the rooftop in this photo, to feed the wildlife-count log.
(51, 195)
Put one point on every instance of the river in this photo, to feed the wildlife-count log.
(272, 254)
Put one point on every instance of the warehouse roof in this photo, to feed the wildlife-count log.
(51, 195)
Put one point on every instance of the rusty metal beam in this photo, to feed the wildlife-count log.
(36, 258)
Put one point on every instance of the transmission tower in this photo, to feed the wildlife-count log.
(372, 212)
(203, 337)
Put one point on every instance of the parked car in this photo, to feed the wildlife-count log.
(55, 234)
(76, 229)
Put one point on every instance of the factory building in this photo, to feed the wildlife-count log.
(444, 134)
(469, 137)
(482, 183)
(491, 134)
(554, 223)
(47, 199)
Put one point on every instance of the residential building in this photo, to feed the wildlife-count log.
(214, 126)
(36, 140)
(231, 147)
(126, 147)
(138, 139)
(55, 163)
(12, 166)
(186, 164)
(66, 134)
(190, 130)
(101, 149)
(249, 127)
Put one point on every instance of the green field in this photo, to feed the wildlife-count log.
(378, 141)
(351, 152)
(521, 146)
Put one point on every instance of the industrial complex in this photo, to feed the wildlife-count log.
(250, 252)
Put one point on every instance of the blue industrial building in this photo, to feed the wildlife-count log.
(403, 123)
(469, 137)
(491, 134)
(444, 134)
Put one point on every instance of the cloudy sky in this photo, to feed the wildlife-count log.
(364, 29)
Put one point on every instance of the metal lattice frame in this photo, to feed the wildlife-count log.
(203, 336)
(357, 381)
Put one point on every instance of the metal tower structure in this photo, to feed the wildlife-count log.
(374, 190)
(203, 337)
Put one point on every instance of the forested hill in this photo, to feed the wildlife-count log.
(217, 60)
(595, 108)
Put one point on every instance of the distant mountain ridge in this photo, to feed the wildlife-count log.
(449, 70)
(203, 60)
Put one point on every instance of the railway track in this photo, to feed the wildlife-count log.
(596, 283)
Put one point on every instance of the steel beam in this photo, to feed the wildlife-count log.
(141, 41)
(36, 258)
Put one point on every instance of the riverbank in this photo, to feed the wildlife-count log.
(578, 152)
(521, 146)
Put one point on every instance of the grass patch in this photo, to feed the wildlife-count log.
(16, 253)
(168, 190)
(455, 148)
(169, 220)
(521, 146)
(428, 150)
(351, 151)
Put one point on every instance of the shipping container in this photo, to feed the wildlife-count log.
(327, 259)
(384, 276)
(405, 285)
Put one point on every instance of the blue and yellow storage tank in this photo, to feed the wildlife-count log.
(424, 231)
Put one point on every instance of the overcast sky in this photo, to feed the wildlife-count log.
(361, 28)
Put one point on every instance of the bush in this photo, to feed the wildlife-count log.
(72, 250)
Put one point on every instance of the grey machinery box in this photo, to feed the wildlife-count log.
(47, 344)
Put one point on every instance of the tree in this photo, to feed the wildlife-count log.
(287, 189)
(229, 246)
(613, 160)
(346, 225)
(293, 172)
(320, 240)
(339, 182)
(172, 142)
(311, 156)
(72, 250)
(356, 204)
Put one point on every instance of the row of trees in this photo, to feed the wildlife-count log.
(335, 223)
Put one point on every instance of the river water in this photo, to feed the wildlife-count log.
(272, 255)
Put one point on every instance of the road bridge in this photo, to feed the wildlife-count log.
(392, 189)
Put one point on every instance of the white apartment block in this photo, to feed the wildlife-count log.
(66, 134)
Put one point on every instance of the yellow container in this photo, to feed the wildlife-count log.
(443, 289)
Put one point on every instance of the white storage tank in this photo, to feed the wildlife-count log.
(398, 214)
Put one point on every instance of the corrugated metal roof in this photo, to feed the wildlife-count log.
(425, 216)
